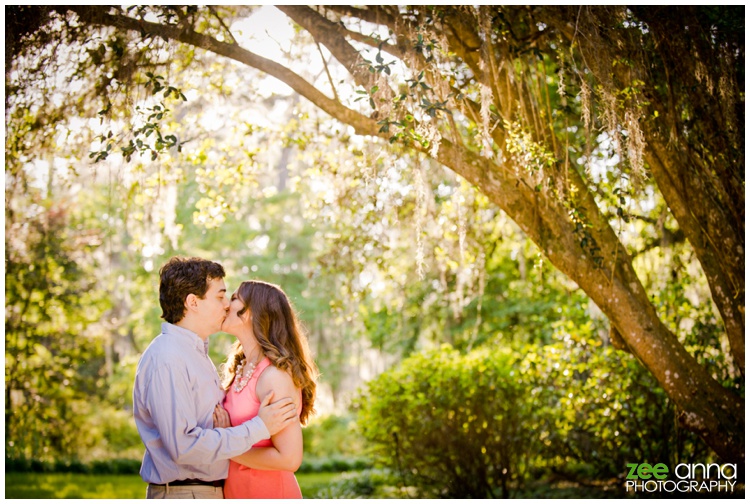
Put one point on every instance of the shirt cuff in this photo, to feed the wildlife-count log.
(257, 430)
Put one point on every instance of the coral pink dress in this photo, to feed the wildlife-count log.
(242, 481)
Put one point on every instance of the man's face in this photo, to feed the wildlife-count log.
(213, 307)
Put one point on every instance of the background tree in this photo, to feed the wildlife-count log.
(520, 102)
(53, 360)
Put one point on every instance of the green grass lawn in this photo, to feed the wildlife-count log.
(105, 486)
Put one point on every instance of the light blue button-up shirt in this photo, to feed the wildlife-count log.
(175, 392)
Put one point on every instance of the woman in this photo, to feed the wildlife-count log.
(271, 354)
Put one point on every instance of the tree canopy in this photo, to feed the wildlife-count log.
(590, 127)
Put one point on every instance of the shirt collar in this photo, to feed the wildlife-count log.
(187, 335)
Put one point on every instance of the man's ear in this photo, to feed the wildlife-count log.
(191, 301)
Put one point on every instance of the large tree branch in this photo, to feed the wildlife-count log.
(99, 16)
(374, 14)
(322, 30)
(396, 51)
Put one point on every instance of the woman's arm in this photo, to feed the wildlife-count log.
(286, 452)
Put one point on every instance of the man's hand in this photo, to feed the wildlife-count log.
(221, 417)
(277, 415)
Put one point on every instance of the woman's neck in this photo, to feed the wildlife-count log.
(250, 347)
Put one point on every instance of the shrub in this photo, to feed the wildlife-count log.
(111, 433)
(333, 464)
(115, 466)
(70, 466)
(330, 436)
(599, 408)
(371, 484)
(450, 424)
(109, 466)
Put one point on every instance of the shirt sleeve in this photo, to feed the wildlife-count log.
(169, 400)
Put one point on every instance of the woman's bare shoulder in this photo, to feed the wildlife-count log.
(273, 378)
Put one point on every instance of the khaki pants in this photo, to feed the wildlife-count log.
(184, 492)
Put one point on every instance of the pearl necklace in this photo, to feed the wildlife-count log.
(240, 378)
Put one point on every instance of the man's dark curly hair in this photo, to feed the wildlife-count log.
(182, 276)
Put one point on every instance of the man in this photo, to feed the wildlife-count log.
(177, 388)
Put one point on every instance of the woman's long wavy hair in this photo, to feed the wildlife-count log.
(281, 338)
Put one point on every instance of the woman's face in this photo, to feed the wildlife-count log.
(234, 323)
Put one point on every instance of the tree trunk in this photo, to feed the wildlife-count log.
(718, 247)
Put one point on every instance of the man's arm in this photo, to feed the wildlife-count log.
(279, 415)
(171, 405)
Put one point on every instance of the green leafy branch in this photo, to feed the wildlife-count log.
(155, 114)
(136, 144)
(419, 81)
(367, 94)
(380, 65)
(155, 81)
(432, 108)
(620, 212)
(582, 230)
(425, 47)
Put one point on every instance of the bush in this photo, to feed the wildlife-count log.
(70, 466)
(599, 408)
(480, 425)
(115, 466)
(371, 483)
(110, 466)
(334, 464)
(111, 433)
(332, 436)
(450, 424)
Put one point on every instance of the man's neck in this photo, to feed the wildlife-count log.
(190, 326)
